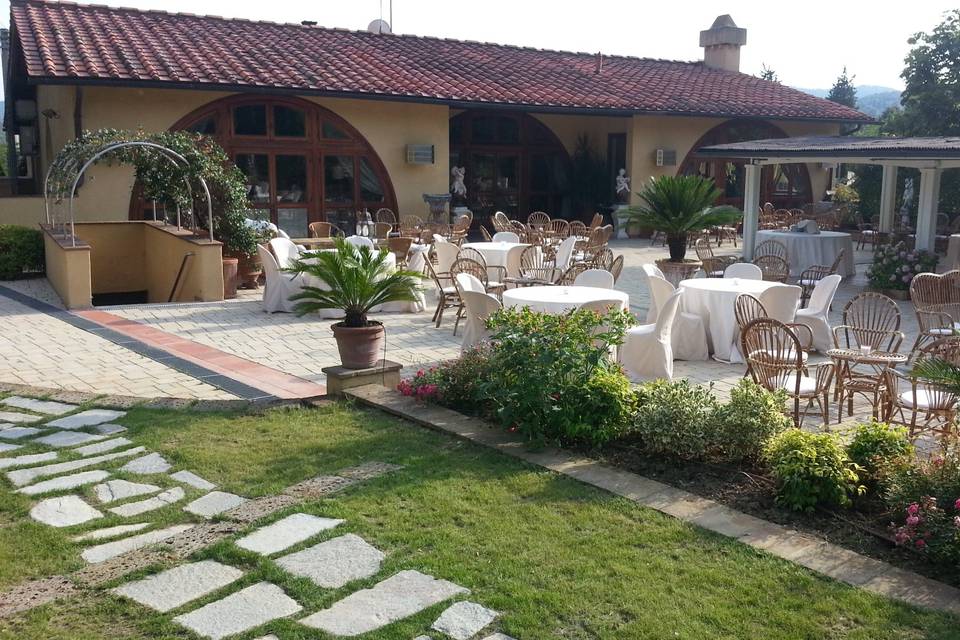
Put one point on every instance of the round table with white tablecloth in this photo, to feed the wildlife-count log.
(498, 254)
(713, 299)
(805, 250)
(559, 300)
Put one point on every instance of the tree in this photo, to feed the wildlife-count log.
(843, 91)
(766, 73)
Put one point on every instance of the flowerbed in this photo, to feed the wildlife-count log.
(894, 268)
(549, 378)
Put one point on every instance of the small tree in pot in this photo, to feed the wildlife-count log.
(679, 206)
(359, 279)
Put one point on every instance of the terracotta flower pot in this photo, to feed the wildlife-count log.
(360, 347)
(229, 278)
(249, 270)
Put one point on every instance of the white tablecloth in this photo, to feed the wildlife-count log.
(807, 249)
(713, 300)
(496, 254)
(390, 307)
(559, 300)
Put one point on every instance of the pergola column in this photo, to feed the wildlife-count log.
(751, 209)
(927, 205)
(888, 197)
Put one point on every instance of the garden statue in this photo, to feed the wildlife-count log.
(906, 202)
(623, 186)
(458, 187)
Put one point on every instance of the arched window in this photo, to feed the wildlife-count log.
(513, 163)
(303, 163)
(787, 186)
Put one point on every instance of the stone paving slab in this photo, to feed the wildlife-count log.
(49, 407)
(6, 446)
(148, 464)
(334, 563)
(63, 511)
(192, 479)
(103, 446)
(113, 490)
(33, 458)
(109, 429)
(21, 477)
(17, 417)
(16, 433)
(63, 483)
(108, 550)
(214, 503)
(285, 533)
(87, 418)
(499, 636)
(168, 497)
(399, 596)
(244, 610)
(111, 532)
(463, 620)
(176, 587)
(60, 439)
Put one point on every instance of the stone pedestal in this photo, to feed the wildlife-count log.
(620, 217)
(438, 206)
(386, 372)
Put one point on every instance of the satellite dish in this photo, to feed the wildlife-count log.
(379, 26)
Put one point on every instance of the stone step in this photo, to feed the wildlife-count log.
(192, 479)
(285, 533)
(168, 497)
(399, 596)
(21, 477)
(334, 563)
(17, 417)
(34, 458)
(148, 464)
(88, 418)
(108, 550)
(16, 433)
(463, 620)
(48, 407)
(63, 483)
(113, 490)
(60, 439)
(241, 611)
(176, 587)
(6, 447)
(214, 503)
(102, 447)
(110, 532)
(63, 511)
(109, 429)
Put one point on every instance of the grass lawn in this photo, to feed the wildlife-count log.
(557, 558)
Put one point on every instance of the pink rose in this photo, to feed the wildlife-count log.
(920, 543)
(956, 505)
(913, 509)
(913, 521)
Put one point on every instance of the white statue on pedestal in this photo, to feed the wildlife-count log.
(458, 187)
(623, 186)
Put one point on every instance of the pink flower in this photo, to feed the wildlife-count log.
(956, 521)
(913, 509)
(913, 521)
(956, 505)
(921, 543)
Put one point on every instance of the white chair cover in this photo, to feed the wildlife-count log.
(599, 278)
(478, 307)
(651, 270)
(360, 241)
(438, 238)
(469, 282)
(781, 302)
(689, 332)
(505, 236)
(744, 271)
(279, 286)
(285, 251)
(446, 255)
(513, 260)
(647, 352)
(817, 312)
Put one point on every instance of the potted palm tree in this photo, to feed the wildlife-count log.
(359, 279)
(679, 206)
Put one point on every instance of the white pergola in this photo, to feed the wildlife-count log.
(930, 155)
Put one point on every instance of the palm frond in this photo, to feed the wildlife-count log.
(679, 205)
(938, 372)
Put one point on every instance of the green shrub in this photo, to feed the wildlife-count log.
(459, 384)
(880, 450)
(551, 378)
(21, 252)
(926, 498)
(744, 425)
(676, 418)
(811, 469)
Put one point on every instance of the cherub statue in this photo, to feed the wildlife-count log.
(457, 186)
(623, 185)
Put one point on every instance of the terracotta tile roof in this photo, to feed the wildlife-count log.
(65, 42)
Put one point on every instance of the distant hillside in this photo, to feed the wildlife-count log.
(871, 99)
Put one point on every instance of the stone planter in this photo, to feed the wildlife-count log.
(896, 294)
(249, 270)
(359, 347)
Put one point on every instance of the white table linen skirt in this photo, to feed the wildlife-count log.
(557, 300)
(805, 250)
(497, 254)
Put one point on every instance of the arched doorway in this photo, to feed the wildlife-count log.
(513, 163)
(787, 186)
(303, 163)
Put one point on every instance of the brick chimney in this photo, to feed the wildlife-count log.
(721, 44)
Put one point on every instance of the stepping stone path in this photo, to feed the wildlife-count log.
(113, 490)
(192, 479)
(48, 407)
(102, 447)
(168, 497)
(111, 532)
(285, 533)
(16, 433)
(87, 418)
(499, 636)
(65, 482)
(463, 620)
(397, 597)
(6, 446)
(175, 587)
(34, 458)
(21, 477)
(13, 416)
(64, 511)
(109, 550)
(150, 463)
(61, 439)
(214, 503)
(239, 612)
(334, 563)
(108, 429)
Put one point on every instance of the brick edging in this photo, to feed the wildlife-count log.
(806, 550)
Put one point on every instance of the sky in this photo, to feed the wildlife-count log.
(807, 42)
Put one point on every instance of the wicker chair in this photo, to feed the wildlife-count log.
(324, 230)
(603, 259)
(616, 268)
(447, 295)
(775, 360)
(501, 222)
(713, 266)
(538, 220)
(578, 229)
(774, 268)
(936, 299)
(812, 275)
(748, 308)
(486, 234)
(771, 248)
(386, 215)
(461, 226)
(920, 406)
(410, 226)
(867, 232)
(569, 276)
(496, 274)
(557, 229)
(535, 269)
(382, 230)
(479, 271)
(596, 221)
